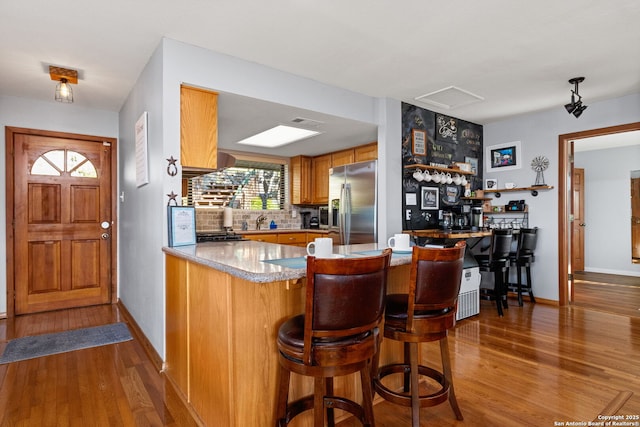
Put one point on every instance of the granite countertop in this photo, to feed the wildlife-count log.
(244, 259)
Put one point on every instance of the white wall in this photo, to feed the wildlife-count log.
(607, 208)
(538, 134)
(52, 116)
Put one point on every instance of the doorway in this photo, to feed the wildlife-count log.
(61, 234)
(565, 202)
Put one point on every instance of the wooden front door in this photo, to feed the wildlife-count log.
(577, 236)
(63, 221)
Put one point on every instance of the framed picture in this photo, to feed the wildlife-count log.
(430, 198)
(419, 147)
(182, 225)
(490, 184)
(503, 157)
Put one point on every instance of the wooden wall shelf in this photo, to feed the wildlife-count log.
(438, 168)
(534, 190)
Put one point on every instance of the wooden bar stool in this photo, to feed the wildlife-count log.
(337, 335)
(425, 314)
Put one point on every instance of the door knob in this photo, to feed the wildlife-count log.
(582, 224)
(105, 236)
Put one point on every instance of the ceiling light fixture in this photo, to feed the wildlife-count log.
(278, 136)
(65, 77)
(575, 107)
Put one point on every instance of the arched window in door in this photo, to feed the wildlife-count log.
(57, 162)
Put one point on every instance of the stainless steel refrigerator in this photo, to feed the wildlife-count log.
(353, 203)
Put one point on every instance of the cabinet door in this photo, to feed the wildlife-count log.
(321, 165)
(176, 334)
(294, 239)
(198, 128)
(343, 157)
(300, 182)
(262, 237)
(366, 152)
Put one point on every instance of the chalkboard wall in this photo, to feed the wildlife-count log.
(447, 140)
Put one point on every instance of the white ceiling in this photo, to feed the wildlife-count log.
(518, 56)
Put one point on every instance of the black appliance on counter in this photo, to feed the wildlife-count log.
(217, 236)
(314, 222)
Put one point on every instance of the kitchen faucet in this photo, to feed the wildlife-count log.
(260, 220)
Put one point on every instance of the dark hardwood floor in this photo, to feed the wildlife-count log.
(538, 365)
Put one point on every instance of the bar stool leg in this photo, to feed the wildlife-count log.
(415, 387)
(446, 368)
(520, 303)
(318, 401)
(367, 396)
(531, 297)
(283, 394)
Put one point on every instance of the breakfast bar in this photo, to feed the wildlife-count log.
(224, 304)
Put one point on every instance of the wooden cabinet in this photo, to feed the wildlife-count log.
(366, 152)
(343, 157)
(309, 176)
(262, 237)
(300, 180)
(198, 128)
(294, 239)
(320, 167)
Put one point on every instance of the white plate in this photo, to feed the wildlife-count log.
(402, 251)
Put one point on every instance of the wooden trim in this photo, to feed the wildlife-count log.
(564, 200)
(10, 132)
(140, 336)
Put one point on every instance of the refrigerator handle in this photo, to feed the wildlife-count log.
(347, 214)
(340, 214)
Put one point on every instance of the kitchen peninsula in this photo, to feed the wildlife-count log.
(224, 305)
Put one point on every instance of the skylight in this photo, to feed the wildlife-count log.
(278, 136)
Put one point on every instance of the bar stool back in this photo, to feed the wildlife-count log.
(425, 314)
(337, 335)
(524, 256)
(497, 262)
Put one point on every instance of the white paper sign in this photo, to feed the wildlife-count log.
(142, 161)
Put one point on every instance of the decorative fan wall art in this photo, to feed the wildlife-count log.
(539, 165)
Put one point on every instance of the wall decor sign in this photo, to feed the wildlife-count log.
(419, 147)
(182, 225)
(142, 159)
(503, 157)
(446, 128)
(430, 198)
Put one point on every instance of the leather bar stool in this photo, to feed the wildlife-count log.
(337, 335)
(523, 257)
(424, 314)
(497, 262)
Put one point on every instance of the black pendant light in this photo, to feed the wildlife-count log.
(575, 107)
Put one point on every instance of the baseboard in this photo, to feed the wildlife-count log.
(153, 355)
(609, 271)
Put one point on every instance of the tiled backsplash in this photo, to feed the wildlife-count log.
(208, 219)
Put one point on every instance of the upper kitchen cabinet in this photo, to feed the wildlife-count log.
(198, 128)
(320, 167)
(365, 153)
(343, 157)
(300, 172)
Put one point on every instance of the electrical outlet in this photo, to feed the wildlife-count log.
(407, 215)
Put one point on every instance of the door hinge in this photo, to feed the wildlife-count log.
(570, 276)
